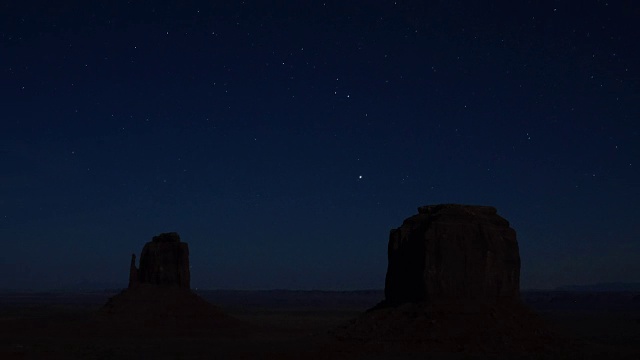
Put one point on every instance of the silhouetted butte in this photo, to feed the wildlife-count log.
(453, 284)
(159, 294)
(453, 253)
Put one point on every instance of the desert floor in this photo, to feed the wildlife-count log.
(288, 325)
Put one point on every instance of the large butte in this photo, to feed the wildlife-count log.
(453, 284)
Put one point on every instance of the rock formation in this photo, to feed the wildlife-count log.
(451, 253)
(452, 284)
(133, 272)
(164, 261)
(159, 294)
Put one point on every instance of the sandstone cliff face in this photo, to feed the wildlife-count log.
(453, 253)
(163, 261)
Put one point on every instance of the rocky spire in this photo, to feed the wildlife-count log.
(133, 272)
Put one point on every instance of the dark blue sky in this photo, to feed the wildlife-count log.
(284, 141)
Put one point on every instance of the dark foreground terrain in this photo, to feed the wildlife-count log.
(290, 325)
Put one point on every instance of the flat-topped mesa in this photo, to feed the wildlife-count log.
(453, 253)
(163, 261)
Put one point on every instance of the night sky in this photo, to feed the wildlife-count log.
(283, 140)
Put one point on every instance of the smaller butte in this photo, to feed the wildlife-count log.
(164, 261)
(159, 294)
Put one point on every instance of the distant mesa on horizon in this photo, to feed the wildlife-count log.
(602, 287)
